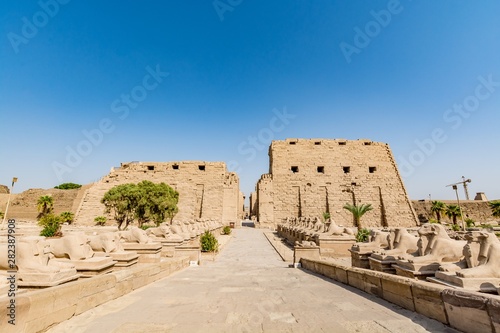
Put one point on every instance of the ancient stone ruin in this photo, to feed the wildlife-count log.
(309, 177)
(206, 189)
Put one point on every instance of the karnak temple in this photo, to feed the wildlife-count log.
(335, 213)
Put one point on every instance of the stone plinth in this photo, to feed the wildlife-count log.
(360, 258)
(91, 266)
(450, 279)
(148, 253)
(44, 280)
(124, 259)
(193, 252)
(419, 271)
(382, 263)
(335, 246)
(311, 253)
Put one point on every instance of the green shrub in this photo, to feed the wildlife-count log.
(433, 221)
(51, 225)
(455, 227)
(363, 235)
(100, 220)
(68, 186)
(226, 230)
(486, 226)
(326, 216)
(146, 226)
(208, 242)
(469, 222)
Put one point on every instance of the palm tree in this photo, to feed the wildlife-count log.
(453, 211)
(67, 217)
(358, 212)
(495, 208)
(437, 208)
(44, 205)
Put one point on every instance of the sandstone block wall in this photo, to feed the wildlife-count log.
(310, 176)
(206, 189)
(477, 210)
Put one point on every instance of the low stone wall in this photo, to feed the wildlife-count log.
(466, 311)
(39, 309)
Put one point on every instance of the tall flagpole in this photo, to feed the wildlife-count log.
(8, 202)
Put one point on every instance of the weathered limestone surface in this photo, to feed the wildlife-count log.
(310, 177)
(206, 189)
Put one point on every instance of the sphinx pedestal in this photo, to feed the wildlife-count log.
(335, 246)
(450, 279)
(148, 253)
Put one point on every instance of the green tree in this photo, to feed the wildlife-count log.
(157, 202)
(453, 211)
(358, 212)
(122, 201)
(146, 202)
(495, 208)
(67, 217)
(68, 186)
(438, 207)
(44, 206)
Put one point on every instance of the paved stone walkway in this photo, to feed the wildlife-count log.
(248, 288)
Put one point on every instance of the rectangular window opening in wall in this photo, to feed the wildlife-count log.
(294, 169)
(342, 143)
(346, 169)
(175, 167)
(317, 143)
(372, 169)
(201, 167)
(151, 167)
(353, 184)
(367, 143)
(292, 142)
(321, 169)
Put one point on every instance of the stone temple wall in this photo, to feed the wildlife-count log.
(308, 177)
(206, 189)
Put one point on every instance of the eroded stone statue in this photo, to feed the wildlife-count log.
(488, 258)
(440, 247)
(135, 235)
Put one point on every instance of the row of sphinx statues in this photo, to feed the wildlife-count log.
(43, 262)
(469, 260)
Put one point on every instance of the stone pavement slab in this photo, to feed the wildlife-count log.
(248, 288)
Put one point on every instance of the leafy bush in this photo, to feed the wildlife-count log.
(455, 227)
(326, 216)
(51, 225)
(208, 242)
(433, 221)
(100, 220)
(486, 226)
(226, 230)
(68, 186)
(363, 235)
(146, 226)
(67, 217)
(469, 222)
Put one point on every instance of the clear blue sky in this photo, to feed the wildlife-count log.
(390, 71)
